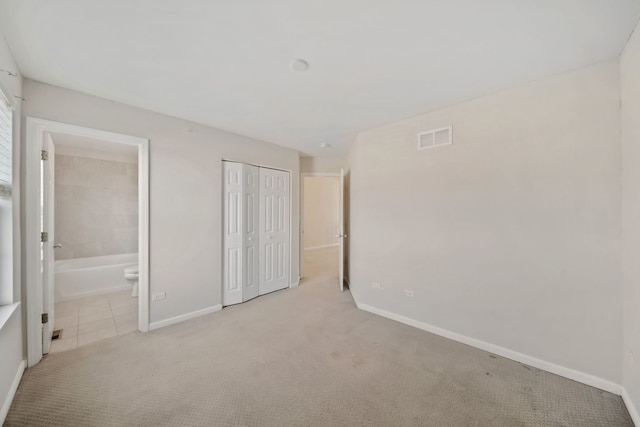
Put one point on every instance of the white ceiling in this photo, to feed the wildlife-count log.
(226, 63)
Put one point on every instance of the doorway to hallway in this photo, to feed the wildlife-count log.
(323, 227)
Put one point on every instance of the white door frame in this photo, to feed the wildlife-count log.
(35, 131)
(48, 257)
(302, 177)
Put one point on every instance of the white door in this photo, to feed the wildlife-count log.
(251, 265)
(274, 230)
(341, 232)
(48, 186)
(232, 233)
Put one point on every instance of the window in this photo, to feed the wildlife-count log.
(6, 205)
(6, 141)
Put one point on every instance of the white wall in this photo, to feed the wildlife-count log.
(12, 342)
(96, 207)
(185, 190)
(511, 235)
(630, 93)
(322, 164)
(321, 205)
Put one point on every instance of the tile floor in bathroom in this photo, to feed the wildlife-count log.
(87, 320)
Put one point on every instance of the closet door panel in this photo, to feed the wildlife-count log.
(274, 230)
(232, 256)
(251, 236)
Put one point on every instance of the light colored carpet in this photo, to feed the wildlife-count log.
(300, 357)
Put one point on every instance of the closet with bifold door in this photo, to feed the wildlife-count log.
(256, 231)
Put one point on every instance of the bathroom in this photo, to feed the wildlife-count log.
(95, 240)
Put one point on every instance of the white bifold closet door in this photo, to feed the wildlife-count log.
(255, 232)
(240, 234)
(274, 230)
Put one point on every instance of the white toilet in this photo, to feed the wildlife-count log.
(131, 276)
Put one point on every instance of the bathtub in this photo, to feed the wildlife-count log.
(82, 277)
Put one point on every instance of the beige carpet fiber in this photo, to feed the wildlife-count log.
(299, 357)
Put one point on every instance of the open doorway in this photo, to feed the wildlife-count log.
(321, 226)
(87, 228)
(95, 232)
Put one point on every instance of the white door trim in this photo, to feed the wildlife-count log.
(35, 130)
(341, 232)
(48, 248)
(302, 177)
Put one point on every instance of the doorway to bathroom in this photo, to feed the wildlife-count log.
(95, 235)
(90, 280)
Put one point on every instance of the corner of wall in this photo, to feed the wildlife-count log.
(630, 138)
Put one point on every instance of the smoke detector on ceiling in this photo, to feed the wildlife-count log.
(299, 65)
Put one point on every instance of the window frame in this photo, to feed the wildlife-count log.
(9, 296)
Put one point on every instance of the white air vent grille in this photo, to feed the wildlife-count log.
(434, 138)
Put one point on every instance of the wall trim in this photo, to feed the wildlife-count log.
(181, 318)
(631, 408)
(310, 248)
(563, 371)
(4, 410)
(295, 284)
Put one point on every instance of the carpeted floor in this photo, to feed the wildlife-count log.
(299, 357)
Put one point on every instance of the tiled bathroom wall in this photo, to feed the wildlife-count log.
(96, 207)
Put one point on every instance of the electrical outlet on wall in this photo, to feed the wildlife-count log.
(376, 285)
(409, 293)
(158, 296)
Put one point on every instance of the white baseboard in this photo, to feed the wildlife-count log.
(12, 392)
(633, 411)
(295, 284)
(177, 319)
(321, 246)
(563, 371)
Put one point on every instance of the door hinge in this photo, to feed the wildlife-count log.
(44, 155)
(44, 236)
(45, 318)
